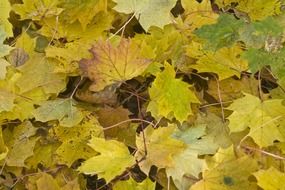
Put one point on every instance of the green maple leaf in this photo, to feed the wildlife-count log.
(222, 34)
(270, 179)
(170, 97)
(131, 184)
(113, 64)
(263, 119)
(258, 58)
(63, 110)
(148, 12)
(113, 159)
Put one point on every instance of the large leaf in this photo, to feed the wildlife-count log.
(262, 118)
(167, 88)
(113, 64)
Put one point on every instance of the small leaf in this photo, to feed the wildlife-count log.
(113, 160)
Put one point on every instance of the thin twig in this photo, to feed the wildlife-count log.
(126, 121)
(264, 124)
(214, 104)
(264, 152)
(128, 21)
(220, 99)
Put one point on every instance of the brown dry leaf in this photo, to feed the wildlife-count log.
(124, 132)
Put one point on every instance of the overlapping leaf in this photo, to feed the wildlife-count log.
(167, 88)
(146, 10)
(114, 158)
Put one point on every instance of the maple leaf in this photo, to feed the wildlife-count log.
(20, 143)
(3, 148)
(4, 49)
(232, 174)
(74, 140)
(113, 159)
(146, 10)
(68, 56)
(260, 9)
(167, 88)
(159, 144)
(258, 58)
(63, 110)
(37, 9)
(47, 182)
(113, 64)
(270, 179)
(45, 77)
(5, 9)
(83, 11)
(131, 184)
(256, 10)
(224, 33)
(6, 100)
(74, 32)
(111, 116)
(262, 118)
(257, 34)
(3, 68)
(198, 13)
(225, 62)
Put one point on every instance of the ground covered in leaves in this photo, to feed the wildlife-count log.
(142, 94)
